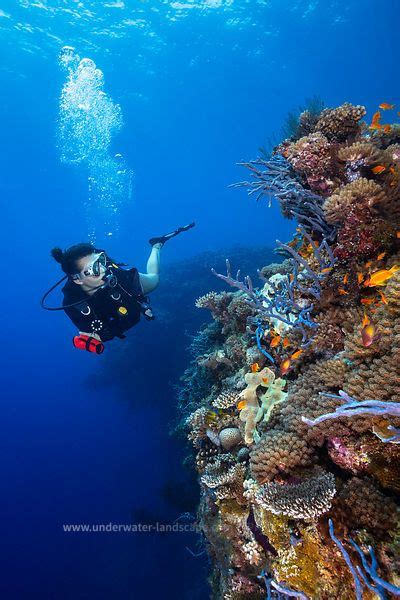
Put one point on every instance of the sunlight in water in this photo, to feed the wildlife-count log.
(88, 120)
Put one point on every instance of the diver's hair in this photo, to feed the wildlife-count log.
(68, 258)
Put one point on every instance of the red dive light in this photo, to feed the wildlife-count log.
(86, 342)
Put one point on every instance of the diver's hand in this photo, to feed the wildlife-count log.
(93, 335)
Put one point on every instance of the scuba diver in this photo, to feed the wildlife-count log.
(102, 299)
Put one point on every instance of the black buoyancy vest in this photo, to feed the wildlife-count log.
(110, 311)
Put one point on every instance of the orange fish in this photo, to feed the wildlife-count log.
(255, 367)
(360, 277)
(286, 342)
(367, 301)
(265, 380)
(386, 106)
(376, 117)
(378, 169)
(343, 292)
(375, 126)
(326, 270)
(381, 255)
(296, 354)
(381, 277)
(368, 264)
(398, 234)
(346, 278)
(368, 332)
(241, 404)
(275, 341)
(387, 128)
(285, 366)
(383, 297)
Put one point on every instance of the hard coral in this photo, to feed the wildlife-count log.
(366, 507)
(358, 159)
(363, 235)
(220, 473)
(279, 453)
(313, 157)
(342, 123)
(376, 379)
(225, 400)
(230, 437)
(359, 195)
(307, 499)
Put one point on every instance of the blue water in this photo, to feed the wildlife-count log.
(201, 86)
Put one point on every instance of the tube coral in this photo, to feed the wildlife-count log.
(352, 407)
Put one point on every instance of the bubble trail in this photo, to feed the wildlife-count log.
(88, 121)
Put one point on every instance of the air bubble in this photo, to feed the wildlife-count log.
(88, 120)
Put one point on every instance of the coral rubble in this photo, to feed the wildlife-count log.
(296, 424)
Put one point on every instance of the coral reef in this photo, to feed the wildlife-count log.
(296, 429)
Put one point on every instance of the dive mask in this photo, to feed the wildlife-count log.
(94, 267)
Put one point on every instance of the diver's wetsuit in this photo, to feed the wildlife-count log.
(110, 311)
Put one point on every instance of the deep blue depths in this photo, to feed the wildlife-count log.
(206, 97)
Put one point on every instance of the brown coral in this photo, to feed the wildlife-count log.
(342, 123)
(279, 452)
(239, 310)
(366, 507)
(222, 471)
(392, 293)
(307, 499)
(362, 154)
(313, 157)
(361, 194)
(216, 303)
(375, 379)
(384, 465)
(363, 235)
(307, 123)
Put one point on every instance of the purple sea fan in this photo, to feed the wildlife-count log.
(367, 575)
(353, 407)
(276, 178)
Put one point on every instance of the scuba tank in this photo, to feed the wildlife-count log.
(86, 342)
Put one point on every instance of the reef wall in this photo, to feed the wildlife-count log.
(292, 404)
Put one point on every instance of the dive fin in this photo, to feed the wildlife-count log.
(164, 238)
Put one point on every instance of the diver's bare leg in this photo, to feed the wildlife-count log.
(151, 279)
